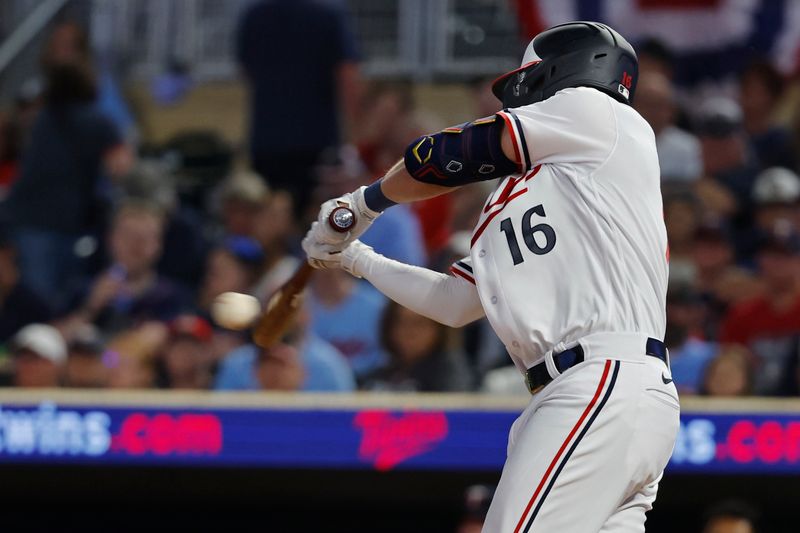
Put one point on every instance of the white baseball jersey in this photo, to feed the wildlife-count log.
(575, 247)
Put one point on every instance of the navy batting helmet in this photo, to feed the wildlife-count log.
(575, 54)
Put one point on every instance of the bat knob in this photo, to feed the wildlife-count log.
(342, 219)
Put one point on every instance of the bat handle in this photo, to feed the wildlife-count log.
(342, 219)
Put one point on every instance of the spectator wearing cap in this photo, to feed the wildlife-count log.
(761, 87)
(86, 366)
(730, 516)
(678, 151)
(769, 324)
(19, 305)
(185, 243)
(301, 361)
(776, 195)
(477, 499)
(39, 354)
(689, 353)
(233, 266)
(241, 199)
(346, 313)
(131, 291)
(728, 160)
(185, 361)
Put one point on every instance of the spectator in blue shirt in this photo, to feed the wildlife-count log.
(346, 313)
(302, 361)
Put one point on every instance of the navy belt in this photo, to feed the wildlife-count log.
(537, 376)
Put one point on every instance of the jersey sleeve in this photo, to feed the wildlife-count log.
(463, 269)
(573, 126)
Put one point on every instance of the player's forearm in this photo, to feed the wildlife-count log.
(400, 187)
(446, 299)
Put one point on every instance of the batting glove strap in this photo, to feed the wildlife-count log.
(320, 254)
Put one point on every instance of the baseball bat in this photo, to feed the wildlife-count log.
(283, 305)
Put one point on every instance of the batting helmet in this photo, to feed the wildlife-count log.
(575, 54)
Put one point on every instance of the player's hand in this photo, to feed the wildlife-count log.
(324, 234)
(321, 254)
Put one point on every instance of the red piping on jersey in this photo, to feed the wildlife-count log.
(564, 445)
(462, 274)
(513, 138)
(505, 198)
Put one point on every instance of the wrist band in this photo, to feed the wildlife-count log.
(375, 199)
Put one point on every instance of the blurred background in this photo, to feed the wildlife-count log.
(155, 154)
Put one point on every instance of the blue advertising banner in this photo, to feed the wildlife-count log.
(381, 439)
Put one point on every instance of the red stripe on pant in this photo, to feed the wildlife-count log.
(564, 445)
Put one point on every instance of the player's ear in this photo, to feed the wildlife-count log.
(507, 144)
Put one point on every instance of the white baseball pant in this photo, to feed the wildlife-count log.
(587, 453)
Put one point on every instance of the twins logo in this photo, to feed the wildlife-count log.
(389, 439)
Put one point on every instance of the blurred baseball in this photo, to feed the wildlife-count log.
(234, 310)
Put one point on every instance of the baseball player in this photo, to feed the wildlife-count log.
(569, 263)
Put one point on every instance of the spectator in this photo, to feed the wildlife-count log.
(233, 266)
(728, 160)
(39, 354)
(689, 354)
(280, 368)
(419, 356)
(68, 43)
(323, 367)
(273, 228)
(346, 313)
(131, 291)
(768, 324)
(729, 373)
(295, 89)
(185, 243)
(241, 199)
(760, 90)
(655, 56)
(86, 366)
(730, 517)
(678, 151)
(476, 505)
(776, 195)
(720, 282)
(185, 360)
(55, 200)
(131, 356)
(19, 305)
(682, 211)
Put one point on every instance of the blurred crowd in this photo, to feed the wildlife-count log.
(112, 252)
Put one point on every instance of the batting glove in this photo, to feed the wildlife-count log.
(323, 233)
(321, 254)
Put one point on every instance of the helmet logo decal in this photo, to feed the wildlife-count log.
(624, 91)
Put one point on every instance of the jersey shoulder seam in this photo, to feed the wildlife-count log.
(613, 111)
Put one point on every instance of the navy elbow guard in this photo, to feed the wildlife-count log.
(460, 155)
